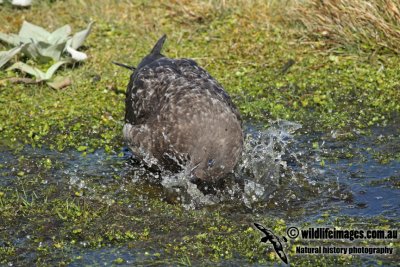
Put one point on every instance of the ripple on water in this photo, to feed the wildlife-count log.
(282, 170)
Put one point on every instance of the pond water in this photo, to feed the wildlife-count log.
(285, 172)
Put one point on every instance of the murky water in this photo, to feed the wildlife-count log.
(284, 172)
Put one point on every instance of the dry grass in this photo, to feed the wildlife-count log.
(362, 24)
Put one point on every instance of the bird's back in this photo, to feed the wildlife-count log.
(177, 114)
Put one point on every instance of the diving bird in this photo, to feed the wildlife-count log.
(270, 236)
(179, 117)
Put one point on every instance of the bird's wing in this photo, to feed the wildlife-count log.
(281, 255)
(149, 85)
(189, 69)
(266, 231)
(260, 227)
(278, 248)
(146, 88)
(274, 241)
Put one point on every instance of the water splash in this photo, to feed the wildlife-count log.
(263, 164)
(269, 165)
(188, 193)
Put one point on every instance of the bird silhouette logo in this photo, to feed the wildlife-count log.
(275, 241)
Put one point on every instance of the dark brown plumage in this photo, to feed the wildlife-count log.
(178, 116)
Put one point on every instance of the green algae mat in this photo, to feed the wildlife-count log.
(322, 148)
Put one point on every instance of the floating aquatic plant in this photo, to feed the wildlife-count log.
(42, 46)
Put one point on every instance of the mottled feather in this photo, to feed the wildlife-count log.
(177, 115)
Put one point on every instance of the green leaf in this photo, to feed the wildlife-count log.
(31, 51)
(53, 69)
(79, 37)
(31, 31)
(40, 75)
(44, 52)
(43, 47)
(11, 39)
(49, 50)
(5, 56)
(61, 35)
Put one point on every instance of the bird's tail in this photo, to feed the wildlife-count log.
(132, 68)
(157, 48)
